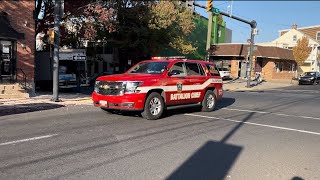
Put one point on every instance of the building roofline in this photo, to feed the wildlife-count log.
(300, 28)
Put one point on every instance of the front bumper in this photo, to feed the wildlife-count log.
(306, 81)
(130, 102)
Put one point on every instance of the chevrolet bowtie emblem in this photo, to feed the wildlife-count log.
(105, 87)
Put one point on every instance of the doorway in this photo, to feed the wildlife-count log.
(7, 61)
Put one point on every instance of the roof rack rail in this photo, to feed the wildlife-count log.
(168, 57)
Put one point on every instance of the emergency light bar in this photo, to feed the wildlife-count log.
(168, 57)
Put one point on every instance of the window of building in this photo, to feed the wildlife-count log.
(279, 66)
(286, 46)
(318, 36)
(294, 38)
(292, 67)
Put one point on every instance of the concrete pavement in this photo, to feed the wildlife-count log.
(42, 99)
(250, 135)
(241, 85)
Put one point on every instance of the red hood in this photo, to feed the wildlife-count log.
(129, 77)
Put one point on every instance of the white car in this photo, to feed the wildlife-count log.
(224, 73)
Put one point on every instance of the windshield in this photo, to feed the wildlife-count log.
(309, 74)
(149, 68)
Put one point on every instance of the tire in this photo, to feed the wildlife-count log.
(153, 107)
(209, 101)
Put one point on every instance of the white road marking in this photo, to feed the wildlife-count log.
(278, 114)
(256, 124)
(29, 139)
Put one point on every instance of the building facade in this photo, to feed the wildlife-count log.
(273, 63)
(17, 42)
(288, 39)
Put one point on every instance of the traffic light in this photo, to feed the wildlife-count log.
(209, 5)
(51, 36)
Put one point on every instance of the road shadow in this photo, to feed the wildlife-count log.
(297, 178)
(225, 102)
(212, 161)
(222, 103)
(25, 108)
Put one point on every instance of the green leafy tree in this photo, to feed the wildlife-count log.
(172, 23)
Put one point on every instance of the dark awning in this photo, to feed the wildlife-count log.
(6, 30)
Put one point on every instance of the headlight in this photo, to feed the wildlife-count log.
(131, 86)
(312, 78)
(96, 86)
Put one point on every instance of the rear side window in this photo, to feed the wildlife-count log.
(213, 70)
(193, 69)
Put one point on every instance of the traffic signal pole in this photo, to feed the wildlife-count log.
(253, 25)
(209, 6)
(55, 78)
(209, 35)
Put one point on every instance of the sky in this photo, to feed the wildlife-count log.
(271, 16)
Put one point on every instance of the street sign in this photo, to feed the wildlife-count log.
(79, 58)
(215, 10)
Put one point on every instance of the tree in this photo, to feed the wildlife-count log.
(301, 51)
(171, 24)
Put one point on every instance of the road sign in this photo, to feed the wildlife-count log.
(215, 10)
(79, 58)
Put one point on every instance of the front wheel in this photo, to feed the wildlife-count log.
(153, 107)
(209, 101)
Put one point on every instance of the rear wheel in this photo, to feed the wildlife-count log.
(154, 106)
(209, 101)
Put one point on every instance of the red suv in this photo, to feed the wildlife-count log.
(151, 86)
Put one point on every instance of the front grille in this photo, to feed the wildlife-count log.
(110, 88)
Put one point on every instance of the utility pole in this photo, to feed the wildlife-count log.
(57, 9)
(209, 7)
(250, 55)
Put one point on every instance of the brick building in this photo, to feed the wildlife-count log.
(273, 63)
(17, 42)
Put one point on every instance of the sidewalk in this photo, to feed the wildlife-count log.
(42, 102)
(241, 85)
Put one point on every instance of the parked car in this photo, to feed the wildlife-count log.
(309, 78)
(224, 73)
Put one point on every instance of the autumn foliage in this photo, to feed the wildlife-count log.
(145, 26)
(301, 51)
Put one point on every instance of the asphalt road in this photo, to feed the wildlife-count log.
(250, 135)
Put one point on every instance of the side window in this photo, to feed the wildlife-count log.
(193, 69)
(201, 70)
(179, 66)
(213, 70)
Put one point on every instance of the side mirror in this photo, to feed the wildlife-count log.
(174, 72)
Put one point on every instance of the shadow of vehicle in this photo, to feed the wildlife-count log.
(212, 161)
(25, 108)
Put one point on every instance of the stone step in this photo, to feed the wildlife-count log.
(12, 91)
(10, 87)
(13, 96)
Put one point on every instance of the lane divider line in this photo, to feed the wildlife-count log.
(278, 114)
(256, 124)
(29, 139)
